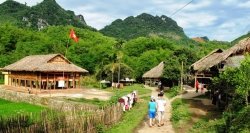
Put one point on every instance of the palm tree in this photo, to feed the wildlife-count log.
(118, 46)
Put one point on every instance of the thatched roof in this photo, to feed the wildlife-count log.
(216, 57)
(155, 72)
(233, 61)
(44, 63)
(207, 61)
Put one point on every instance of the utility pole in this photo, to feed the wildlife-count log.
(119, 72)
(182, 75)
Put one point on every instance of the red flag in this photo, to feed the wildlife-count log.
(73, 36)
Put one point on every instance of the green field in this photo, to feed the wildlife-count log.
(8, 108)
(128, 89)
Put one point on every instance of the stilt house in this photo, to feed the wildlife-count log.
(52, 71)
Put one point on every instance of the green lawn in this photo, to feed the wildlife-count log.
(128, 89)
(8, 108)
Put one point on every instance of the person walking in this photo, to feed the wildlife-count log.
(161, 103)
(151, 111)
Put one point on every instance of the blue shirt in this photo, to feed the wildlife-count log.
(152, 106)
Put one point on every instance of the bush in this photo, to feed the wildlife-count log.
(174, 91)
(209, 126)
(241, 122)
(90, 81)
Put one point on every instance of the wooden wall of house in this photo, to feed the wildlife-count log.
(43, 80)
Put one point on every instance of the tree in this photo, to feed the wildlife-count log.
(243, 77)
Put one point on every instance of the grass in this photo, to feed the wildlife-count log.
(131, 119)
(172, 92)
(208, 126)
(128, 89)
(180, 112)
(94, 101)
(8, 108)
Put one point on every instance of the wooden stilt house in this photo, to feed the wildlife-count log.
(218, 60)
(52, 71)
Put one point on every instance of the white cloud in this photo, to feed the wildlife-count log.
(244, 4)
(199, 19)
(198, 5)
(229, 2)
(29, 2)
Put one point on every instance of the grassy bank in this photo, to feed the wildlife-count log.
(180, 113)
(131, 119)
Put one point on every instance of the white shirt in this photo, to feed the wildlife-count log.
(161, 103)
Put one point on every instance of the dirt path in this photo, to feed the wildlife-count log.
(167, 128)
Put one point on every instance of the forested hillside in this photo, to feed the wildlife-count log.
(100, 54)
(149, 40)
(39, 16)
(144, 25)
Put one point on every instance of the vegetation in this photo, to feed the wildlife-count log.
(233, 84)
(144, 25)
(209, 126)
(128, 89)
(172, 92)
(118, 93)
(131, 119)
(180, 112)
(45, 13)
(8, 108)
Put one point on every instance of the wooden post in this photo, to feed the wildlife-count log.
(36, 81)
(80, 81)
(47, 82)
(40, 81)
(25, 84)
(19, 82)
(195, 78)
(73, 80)
(67, 82)
(31, 85)
(54, 81)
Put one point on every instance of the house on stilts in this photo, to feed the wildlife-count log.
(218, 60)
(52, 71)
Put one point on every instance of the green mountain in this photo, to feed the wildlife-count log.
(39, 16)
(240, 38)
(142, 26)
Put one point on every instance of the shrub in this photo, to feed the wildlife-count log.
(174, 91)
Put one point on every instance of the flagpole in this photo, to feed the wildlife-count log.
(67, 48)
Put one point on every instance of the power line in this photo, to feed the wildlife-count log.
(181, 8)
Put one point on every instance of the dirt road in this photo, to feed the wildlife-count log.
(167, 128)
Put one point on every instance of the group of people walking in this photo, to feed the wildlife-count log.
(156, 109)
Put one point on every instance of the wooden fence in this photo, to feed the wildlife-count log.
(52, 121)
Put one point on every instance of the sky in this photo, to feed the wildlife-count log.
(223, 20)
